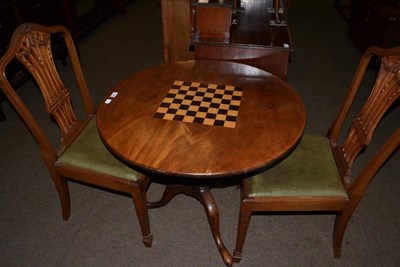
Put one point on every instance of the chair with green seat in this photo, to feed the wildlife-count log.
(80, 154)
(317, 175)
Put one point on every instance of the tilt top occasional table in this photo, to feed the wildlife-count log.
(193, 122)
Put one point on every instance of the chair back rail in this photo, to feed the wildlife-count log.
(31, 45)
(385, 92)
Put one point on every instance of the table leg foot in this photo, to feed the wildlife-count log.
(211, 209)
(202, 194)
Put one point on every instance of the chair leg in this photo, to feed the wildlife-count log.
(243, 225)
(341, 221)
(140, 202)
(63, 193)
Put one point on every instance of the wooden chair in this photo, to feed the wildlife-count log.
(81, 155)
(317, 175)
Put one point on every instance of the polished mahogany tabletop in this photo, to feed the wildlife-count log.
(269, 121)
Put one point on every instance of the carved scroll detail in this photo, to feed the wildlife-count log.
(35, 53)
(385, 91)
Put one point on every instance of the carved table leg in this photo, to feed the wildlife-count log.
(202, 194)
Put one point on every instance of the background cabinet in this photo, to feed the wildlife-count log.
(375, 22)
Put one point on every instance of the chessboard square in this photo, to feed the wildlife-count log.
(179, 96)
(228, 92)
(212, 86)
(236, 97)
(220, 91)
(202, 89)
(188, 119)
(165, 105)
(210, 90)
(207, 99)
(226, 101)
(198, 120)
(187, 83)
(227, 96)
(217, 100)
(198, 98)
(177, 101)
(203, 85)
(201, 115)
(215, 105)
(223, 111)
(181, 112)
(192, 89)
(195, 84)
(231, 118)
(174, 90)
(169, 95)
(235, 103)
(233, 113)
(182, 92)
(219, 86)
(184, 107)
(213, 110)
(191, 93)
(174, 106)
(203, 109)
(211, 116)
(194, 108)
(186, 102)
(175, 87)
(208, 121)
(219, 123)
(224, 106)
(221, 117)
(187, 97)
(210, 95)
(229, 87)
(218, 95)
(238, 93)
(159, 115)
(171, 111)
(191, 113)
(195, 103)
(199, 93)
(230, 124)
(178, 117)
(162, 110)
(169, 116)
(178, 83)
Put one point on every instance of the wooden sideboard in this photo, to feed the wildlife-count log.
(230, 30)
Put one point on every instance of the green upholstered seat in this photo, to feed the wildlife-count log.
(89, 152)
(309, 171)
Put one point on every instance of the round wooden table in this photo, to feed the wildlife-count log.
(199, 120)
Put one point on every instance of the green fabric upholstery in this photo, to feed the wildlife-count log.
(89, 152)
(309, 171)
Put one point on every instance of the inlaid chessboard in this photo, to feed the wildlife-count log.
(209, 104)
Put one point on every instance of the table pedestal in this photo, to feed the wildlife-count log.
(202, 194)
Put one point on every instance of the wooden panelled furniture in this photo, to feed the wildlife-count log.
(79, 16)
(81, 154)
(317, 175)
(239, 31)
(374, 22)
